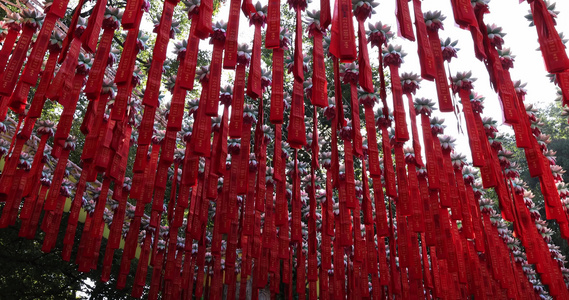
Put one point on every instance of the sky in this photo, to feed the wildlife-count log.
(520, 38)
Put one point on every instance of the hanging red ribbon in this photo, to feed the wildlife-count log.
(551, 46)
(272, 38)
(8, 45)
(201, 135)
(91, 34)
(35, 60)
(373, 151)
(203, 25)
(414, 131)
(473, 138)
(10, 76)
(389, 173)
(356, 125)
(365, 77)
(345, 27)
(296, 128)
(96, 75)
(426, 57)
(235, 125)
(230, 59)
(214, 82)
(403, 203)
(277, 94)
(401, 131)
(432, 170)
(254, 78)
(445, 101)
(319, 95)
(404, 20)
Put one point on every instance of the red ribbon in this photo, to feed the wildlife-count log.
(550, 42)
(10, 76)
(432, 170)
(359, 247)
(131, 11)
(37, 166)
(75, 209)
(201, 135)
(66, 119)
(443, 93)
(563, 83)
(230, 59)
(295, 228)
(380, 213)
(298, 66)
(118, 219)
(401, 132)
(343, 45)
(312, 251)
(463, 13)
(350, 182)
(142, 269)
(277, 94)
(235, 125)
(249, 218)
(455, 205)
(91, 140)
(497, 77)
(416, 204)
(365, 77)
(203, 28)
(188, 67)
(19, 99)
(58, 173)
(403, 203)
(60, 12)
(272, 35)
(130, 50)
(325, 248)
(389, 174)
(296, 128)
(7, 46)
(261, 175)
(300, 272)
(97, 220)
(319, 83)
(467, 215)
(404, 20)
(428, 212)
(243, 160)
(212, 103)
(220, 145)
(269, 228)
(366, 202)
(373, 151)
(91, 34)
(395, 285)
(414, 131)
(444, 190)
(35, 60)
(473, 137)
(476, 33)
(328, 205)
(426, 57)
(325, 14)
(254, 80)
(356, 125)
(159, 55)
